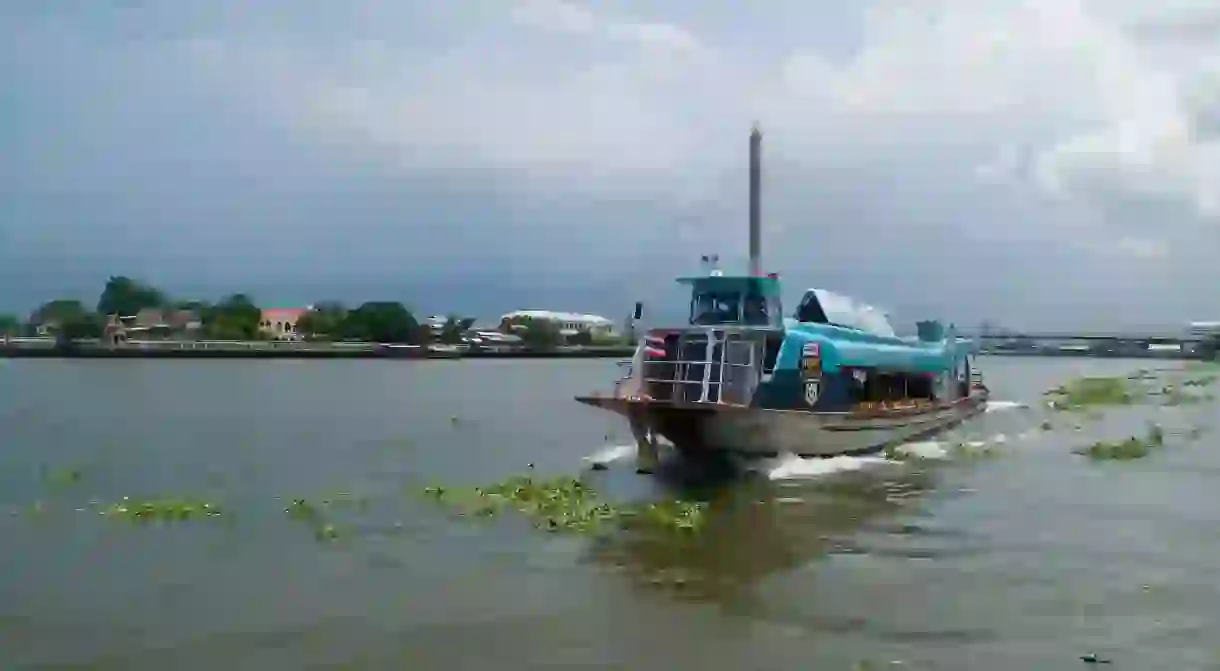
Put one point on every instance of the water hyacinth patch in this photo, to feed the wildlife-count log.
(1091, 391)
(569, 505)
(161, 510)
(314, 515)
(1133, 447)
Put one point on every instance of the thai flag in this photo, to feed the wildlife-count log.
(654, 346)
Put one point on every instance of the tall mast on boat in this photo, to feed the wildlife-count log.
(755, 201)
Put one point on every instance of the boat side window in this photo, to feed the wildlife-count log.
(894, 387)
(921, 386)
(810, 310)
(755, 310)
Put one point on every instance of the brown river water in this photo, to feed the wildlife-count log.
(1029, 558)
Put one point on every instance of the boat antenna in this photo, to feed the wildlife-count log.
(755, 201)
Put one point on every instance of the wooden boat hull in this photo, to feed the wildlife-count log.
(697, 429)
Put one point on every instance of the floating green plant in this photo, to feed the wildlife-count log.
(1123, 450)
(314, 515)
(1091, 391)
(568, 504)
(169, 509)
(1205, 381)
(1128, 449)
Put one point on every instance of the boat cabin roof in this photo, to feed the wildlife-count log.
(736, 300)
(820, 306)
(767, 287)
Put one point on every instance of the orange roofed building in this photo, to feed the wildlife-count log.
(281, 323)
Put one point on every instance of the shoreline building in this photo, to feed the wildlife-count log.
(281, 323)
(569, 323)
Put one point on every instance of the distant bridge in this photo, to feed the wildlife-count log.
(1090, 336)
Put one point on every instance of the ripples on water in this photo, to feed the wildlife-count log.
(1026, 559)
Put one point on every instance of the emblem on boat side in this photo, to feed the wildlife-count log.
(811, 359)
(812, 389)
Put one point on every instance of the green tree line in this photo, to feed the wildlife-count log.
(238, 317)
(233, 317)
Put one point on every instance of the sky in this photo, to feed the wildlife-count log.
(1036, 163)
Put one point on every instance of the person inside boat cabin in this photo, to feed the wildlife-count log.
(715, 308)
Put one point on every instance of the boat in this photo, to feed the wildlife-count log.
(833, 379)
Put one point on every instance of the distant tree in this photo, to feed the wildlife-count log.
(85, 325)
(233, 318)
(583, 337)
(541, 335)
(9, 325)
(70, 319)
(451, 332)
(323, 322)
(59, 311)
(124, 296)
(621, 339)
(382, 321)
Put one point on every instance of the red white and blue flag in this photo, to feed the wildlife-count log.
(654, 346)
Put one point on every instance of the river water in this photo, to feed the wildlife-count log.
(1025, 560)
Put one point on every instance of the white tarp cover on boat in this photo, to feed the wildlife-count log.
(845, 311)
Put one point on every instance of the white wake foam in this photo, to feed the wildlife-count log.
(611, 453)
(791, 466)
(993, 406)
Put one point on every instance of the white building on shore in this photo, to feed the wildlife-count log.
(569, 323)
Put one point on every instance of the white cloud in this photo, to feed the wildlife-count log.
(1143, 247)
(556, 15)
(1100, 108)
(568, 17)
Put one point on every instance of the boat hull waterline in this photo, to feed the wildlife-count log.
(703, 429)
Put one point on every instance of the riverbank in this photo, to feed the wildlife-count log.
(1169, 355)
(279, 350)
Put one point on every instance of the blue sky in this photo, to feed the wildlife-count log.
(1044, 163)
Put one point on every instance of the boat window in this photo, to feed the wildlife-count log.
(810, 310)
(755, 312)
(715, 308)
(820, 306)
(891, 387)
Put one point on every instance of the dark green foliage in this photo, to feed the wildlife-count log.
(234, 318)
(124, 296)
(382, 321)
(537, 334)
(324, 322)
(583, 337)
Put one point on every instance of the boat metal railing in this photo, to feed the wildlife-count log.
(707, 366)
